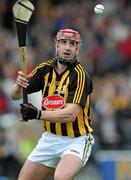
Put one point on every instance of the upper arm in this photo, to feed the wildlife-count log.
(36, 82)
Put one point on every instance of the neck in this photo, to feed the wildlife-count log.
(60, 68)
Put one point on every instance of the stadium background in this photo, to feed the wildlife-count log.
(105, 53)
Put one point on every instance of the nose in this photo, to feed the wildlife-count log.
(67, 45)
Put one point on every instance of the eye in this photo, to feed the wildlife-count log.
(72, 43)
(63, 41)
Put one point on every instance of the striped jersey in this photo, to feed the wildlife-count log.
(71, 86)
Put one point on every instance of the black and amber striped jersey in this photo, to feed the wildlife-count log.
(71, 86)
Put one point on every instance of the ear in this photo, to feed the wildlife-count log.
(77, 49)
(56, 44)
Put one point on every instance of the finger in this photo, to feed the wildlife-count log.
(25, 104)
(21, 73)
(24, 118)
(21, 104)
(29, 76)
(22, 81)
(24, 115)
(21, 78)
(22, 84)
(23, 109)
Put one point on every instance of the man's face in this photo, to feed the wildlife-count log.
(67, 49)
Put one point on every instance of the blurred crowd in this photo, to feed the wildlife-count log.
(105, 53)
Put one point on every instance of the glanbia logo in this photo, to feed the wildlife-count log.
(53, 102)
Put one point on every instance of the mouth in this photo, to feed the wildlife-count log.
(66, 54)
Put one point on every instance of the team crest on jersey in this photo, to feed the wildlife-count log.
(53, 102)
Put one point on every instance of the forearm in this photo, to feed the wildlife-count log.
(56, 116)
(68, 114)
(16, 92)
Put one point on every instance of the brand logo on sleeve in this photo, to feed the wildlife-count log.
(53, 102)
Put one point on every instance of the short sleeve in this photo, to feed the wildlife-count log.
(35, 83)
(80, 87)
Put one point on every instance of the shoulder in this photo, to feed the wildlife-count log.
(85, 78)
(80, 71)
(43, 66)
